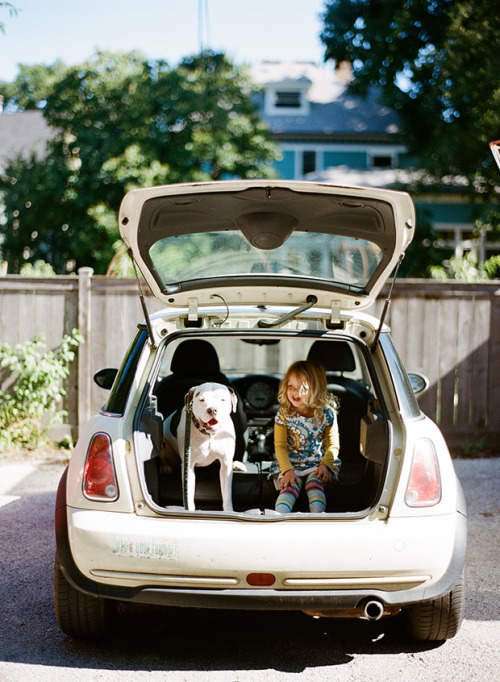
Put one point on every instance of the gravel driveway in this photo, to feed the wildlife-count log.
(199, 646)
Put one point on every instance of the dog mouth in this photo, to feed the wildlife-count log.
(211, 423)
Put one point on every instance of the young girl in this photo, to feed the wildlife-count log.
(306, 437)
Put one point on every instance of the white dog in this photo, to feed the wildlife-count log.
(212, 436)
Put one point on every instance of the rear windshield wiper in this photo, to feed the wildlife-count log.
(267, 324)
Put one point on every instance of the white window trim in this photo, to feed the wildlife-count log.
(299, 147)
(392, 152)
(460, 245)
(272, 110)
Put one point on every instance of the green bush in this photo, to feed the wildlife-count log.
(467, 268)
(37, 269)
(31, 388)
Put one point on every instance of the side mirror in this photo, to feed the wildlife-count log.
(104, 378)
(419, 382)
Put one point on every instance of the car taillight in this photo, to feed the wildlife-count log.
(99, 478)
(261, 579)
(424, 485)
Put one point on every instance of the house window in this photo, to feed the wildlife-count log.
(287, 99)
(382, 161)
(308, 162)
(286, 102)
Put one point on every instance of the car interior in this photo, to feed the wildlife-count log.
(253, 367)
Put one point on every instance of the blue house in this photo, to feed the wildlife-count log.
(318, 126)
(328, 135)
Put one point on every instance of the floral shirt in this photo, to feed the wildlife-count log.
(305, 440)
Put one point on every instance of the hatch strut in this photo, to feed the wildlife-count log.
(143, 302)
(387, 304)
(266, 324)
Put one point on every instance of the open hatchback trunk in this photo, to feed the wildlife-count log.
(264, 242)
(229, 253)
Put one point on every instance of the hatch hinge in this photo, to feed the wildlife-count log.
(193, 317)
(143, 302)
(335, 313)
(386, 304)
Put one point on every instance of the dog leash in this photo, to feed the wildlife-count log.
(187, 454)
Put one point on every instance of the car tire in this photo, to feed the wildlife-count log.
(80, 615)
(439, 619)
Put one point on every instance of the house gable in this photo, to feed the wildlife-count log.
(21, 133)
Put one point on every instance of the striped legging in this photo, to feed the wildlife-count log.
(315, 494)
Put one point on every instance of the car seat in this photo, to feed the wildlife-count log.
(195, 362)
(337, 357)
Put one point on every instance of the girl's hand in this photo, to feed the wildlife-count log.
(288, 479)
(323, 473)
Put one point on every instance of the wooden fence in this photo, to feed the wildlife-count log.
(449, 331)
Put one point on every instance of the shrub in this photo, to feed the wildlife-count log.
(37, 269)
(31, 388)
(467, 268)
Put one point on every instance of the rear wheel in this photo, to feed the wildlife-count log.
(80, 615)
(439, 619)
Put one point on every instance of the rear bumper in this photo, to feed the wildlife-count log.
(343, 602)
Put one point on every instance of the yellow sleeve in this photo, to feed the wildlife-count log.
(280, 447)
(331, 444)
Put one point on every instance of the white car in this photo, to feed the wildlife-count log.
(255, 275)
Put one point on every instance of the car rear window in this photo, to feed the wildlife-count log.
(340, 259)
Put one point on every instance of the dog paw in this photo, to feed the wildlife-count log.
(239, 466)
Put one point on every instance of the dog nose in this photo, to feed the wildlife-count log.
(212, 411)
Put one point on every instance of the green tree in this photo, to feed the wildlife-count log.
(32, 85)
(121, 122)
(12, 10)
(436, 63)
(422, 254)
(47, 218)
(220, 131)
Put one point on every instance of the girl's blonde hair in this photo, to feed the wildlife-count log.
(316, 395)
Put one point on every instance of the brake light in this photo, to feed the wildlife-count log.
(99, 478)
(424, 485)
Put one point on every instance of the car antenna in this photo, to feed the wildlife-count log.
(386, 304)
(143, 302)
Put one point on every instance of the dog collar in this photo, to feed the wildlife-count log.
(201, 427)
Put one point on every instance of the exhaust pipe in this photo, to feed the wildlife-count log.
(373, 609)
(370, 609)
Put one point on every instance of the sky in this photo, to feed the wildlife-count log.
(248, 31)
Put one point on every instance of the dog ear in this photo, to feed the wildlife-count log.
(188, 398)
(234, 398)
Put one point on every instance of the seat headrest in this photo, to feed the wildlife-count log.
(334, 356)
(194, 355)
